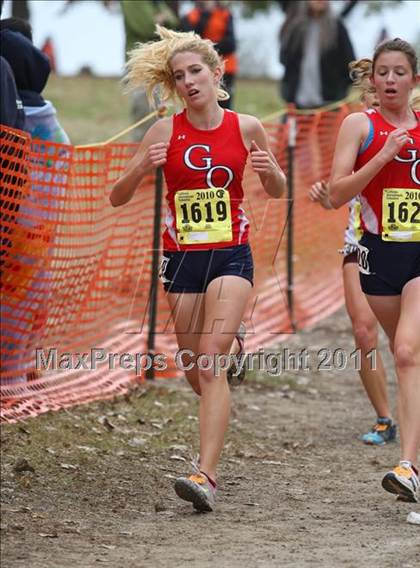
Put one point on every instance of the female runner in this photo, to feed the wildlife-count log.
(364, 322)
(207, 265)
(378, 156)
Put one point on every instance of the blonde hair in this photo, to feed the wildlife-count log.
(148, 64)
(360, 72)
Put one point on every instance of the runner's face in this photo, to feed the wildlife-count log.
(393, 79)
(195, 82)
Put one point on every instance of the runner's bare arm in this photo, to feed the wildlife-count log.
(151, 154)
(263, 161)
(344, 184)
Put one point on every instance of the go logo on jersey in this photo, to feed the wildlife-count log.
(194, 161)
(413, 159)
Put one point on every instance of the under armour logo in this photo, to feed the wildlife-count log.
(181, 136)
(383, 132)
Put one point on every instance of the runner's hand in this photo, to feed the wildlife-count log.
(155, 156)
(395, 141)
(261, 161)
(319, 193)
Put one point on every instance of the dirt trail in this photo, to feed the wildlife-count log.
(296, 486)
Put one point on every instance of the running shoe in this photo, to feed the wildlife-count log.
(383, 431)
(403, 481)
(234, 378)
(198, 490)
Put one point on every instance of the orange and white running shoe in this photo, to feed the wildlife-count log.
(403, 481)
(198, 490)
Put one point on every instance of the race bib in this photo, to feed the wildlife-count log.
(203, 216)
(401, 214)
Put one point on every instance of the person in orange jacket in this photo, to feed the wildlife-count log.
(211, 20)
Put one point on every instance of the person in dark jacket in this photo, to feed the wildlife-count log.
(11, 107)
(315, 51)
(31, 69)
(26, 278)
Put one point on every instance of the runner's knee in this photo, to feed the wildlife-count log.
(365, 334)
(194, 379)
(404, 355)
(213, 359)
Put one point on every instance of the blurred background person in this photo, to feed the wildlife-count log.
(31, 69)
(212, 20)
(315, 51)
(11, 115)
(364, 322)
(26, 282)
(140, 19)
(11, 106)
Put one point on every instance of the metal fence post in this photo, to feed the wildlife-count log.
(153, 295)
(291, 144)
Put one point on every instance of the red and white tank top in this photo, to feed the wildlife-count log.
(390, 203)
(203, 173)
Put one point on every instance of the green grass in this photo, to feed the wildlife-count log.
(258, 97)
(93, 109)
(136, 415)
(90, 109)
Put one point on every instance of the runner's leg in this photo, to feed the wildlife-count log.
(188, 314)
(225, 302)
(407, 362)
(365, 331)
(387, 312)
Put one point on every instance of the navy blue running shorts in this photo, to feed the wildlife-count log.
(192, 271)
(386, 266)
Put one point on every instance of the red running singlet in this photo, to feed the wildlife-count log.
(390, 203)
(203, 173)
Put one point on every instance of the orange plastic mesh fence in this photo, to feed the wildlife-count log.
(76, 272)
